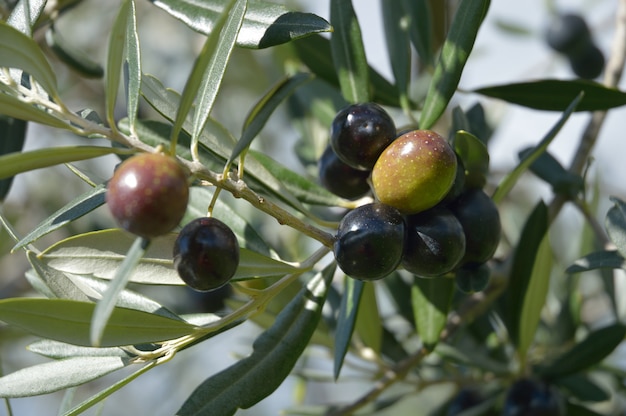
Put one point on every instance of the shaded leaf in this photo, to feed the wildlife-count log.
(420, 29)
(396, 28)
(20, 51)
(346, 320)
(73, 210)
(74, 58)
(615, 223)
(524, 258)
(13, 133)
(475, 157)
(348, 52)
(588, 352)
(557, 95)
(598, 260)
(275, 353)
(454, 55)
(51, 282)
(18, 162)
(265, 24)
(431, 299)
(57, 375)
(583, 388)
(132, 65)
(511, 179)
(264, 108)
(69, 321)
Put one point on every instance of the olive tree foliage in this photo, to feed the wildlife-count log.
(412, 332)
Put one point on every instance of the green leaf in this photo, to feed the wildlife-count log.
(76, 208)
(18, 162)
(535, 296)
(274, 354)
(302, 188)
(132, 65)
(348, 52)
(575, 409)
(266, 24)
(264, 108)
(583, 388)
(610, 259)
(100, 253)
(69, 321)
(511, 179)
(106, 304)
(315, 52)
(13, 133)
(14, 107)
(115, 57)
(19, 51)
(420, 29)
(524, 259)
(431, 299)
(615, 224)
(57, 375)
(396, 25)
(454, 55)
(60, 350)
(475, 157)
(74, 58)
(350, 300)
(586, 353)
(556, 95)
(551, 171)
(23, 18)
(369, 326)
(208, 70)
(51, 282)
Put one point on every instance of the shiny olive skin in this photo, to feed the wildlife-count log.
(206, 254)
(435, 243)
(528, 397)
(341, 179)
(480, 220)
(415, 172)
(148, 194)
(569, 34)
(360, 132)
(370, 241)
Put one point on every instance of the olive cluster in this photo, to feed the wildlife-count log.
(425, 217)
(569, 34)
(148, 196)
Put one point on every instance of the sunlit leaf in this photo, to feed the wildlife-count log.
(431, 299)
(57, 375)
(369, 326)
(396, 25)
(275, 353)
(52, 282)
(69, 321)
(557, 95)
(454, 54)
(615, 224)
(420, 28)
(132, 65)
(348, 52)
(350, 300)
(265, 24)
(511, 179)
(59, 350)
(23, 18)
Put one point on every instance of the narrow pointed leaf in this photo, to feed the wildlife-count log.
(420, 28)
(13, 133)
(132, 65)
(454, 55)
(20, 51)
(60, 350)
(57, 375)
(588, 352)
(348, 52)
(23, 18)
(369, 326)
(71, 56)
(615, 224)
(14, 163)
(535, 296)
(115, 57)
(105, 305)
(524, 259)
(266, 24)
(264, 108)
(511, 179)
(274, 354)
(14, 107)
(431, 299)
(348, 310)
(598, 260)
(556, 95)
(69, 321)
(73, 210)
(52, 282)
(396, 27)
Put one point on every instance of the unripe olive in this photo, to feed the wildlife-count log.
(148, 194)
(415, 172)
(480, 220)
(435, 242)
